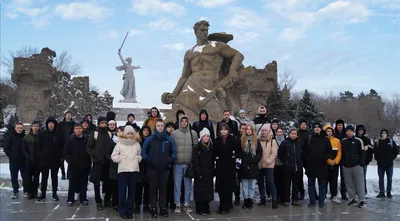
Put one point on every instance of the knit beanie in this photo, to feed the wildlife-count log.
(203, 132)
(129, 129)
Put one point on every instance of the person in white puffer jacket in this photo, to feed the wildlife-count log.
(127, 153)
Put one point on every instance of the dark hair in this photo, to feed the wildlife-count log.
(224, 125)
(226, 111)
(171, 124)
(78, 125)
(242, 124)
(199, 23)
(160, 120)
(121, 128)
(280, 128)
(19, 123)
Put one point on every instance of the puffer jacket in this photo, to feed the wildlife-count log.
(353, 152)
(185, 140)
(250, 163)
(290, 154)
(336, 148)
(127, 153)
(269, 153)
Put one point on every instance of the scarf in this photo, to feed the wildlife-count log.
(250, 148)
(224, 138)
(279, 139)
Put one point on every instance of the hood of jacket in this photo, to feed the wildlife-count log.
(360, 127)
(326, 127)
(52, 120)
(205, 112)
(188, 125)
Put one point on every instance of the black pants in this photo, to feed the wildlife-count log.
(291, 179)
(45, 177)
(170, 186)
(279, 183)
(333, 174)
(158, 184)
(142, 194)
(342, 183)
(62, 168)
(114, 192)
(202, 207)
(301, 182)
(238, 189)
(225, 201)
(100, 172)
(32, 178)
(78, 182)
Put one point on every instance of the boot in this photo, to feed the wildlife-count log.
(42, 196)
(389, 195)
(153, 212)
(381, 195)
(55, 196)
(237, 200)
(301, 196)
(245, 204)
(163, 212)
(263, 202)
(274, 204)
(250, 203)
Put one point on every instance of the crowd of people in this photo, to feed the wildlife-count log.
(152, 168)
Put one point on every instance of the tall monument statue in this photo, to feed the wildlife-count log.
(214, 78)
(128, 90)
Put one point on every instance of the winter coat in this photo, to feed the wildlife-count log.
(185, 140)
(258, 122)
(303, 136)
(199, 125)
(269, 153)
(30, 149)
(369, 151)
(127, 153)
(316, 152)
(159, 151)
(92, 126)
(98, 147)
(353, 152)
(249, 168)
(233, 127)
(75, 154)
(151, 121)
(225, 156)
(13, 147)
(290, 154)
(278, 162)
(113, 173)
(385, 152)
(203, 168)
(66, 129)
(50, 146)
(336, 149)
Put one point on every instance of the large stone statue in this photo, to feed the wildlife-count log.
(213, 77)
(128, 90)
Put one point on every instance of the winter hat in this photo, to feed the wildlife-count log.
(292, 129)
(101, 119)
(302, 121)
(203, 132)
(317, 124)
(361, 127)
(339, 121)
(130, 115)
(261, 107)
(52, 120)
(85, 120)
(112, 122)
(110, 115)
(349, 127)
(78, 125)
(129, 129)
(242, 111)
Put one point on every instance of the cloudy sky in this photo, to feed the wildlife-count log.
(329, 45)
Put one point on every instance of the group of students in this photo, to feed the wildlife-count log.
(152, 168)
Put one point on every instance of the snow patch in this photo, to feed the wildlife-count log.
(208, 91)
(185, 90)
(191, 89)
(201, 98)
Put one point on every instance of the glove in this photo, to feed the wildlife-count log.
(238, 163)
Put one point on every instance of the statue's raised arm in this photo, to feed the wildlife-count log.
(120, 57)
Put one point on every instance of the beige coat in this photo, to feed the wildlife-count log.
(269, 153)
(127, 153)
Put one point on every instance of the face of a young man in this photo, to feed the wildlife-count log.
(303, 126)
(78, 131)
(293, 135)
(242, 129)
(317, 129)
(160, 127)
(203, 116)
(184, 123)
(103, 124)
(227, 115)
(349, 133)
(154, 112)
(170, 129)
(51, 126)
(19, 128)
(35, 128)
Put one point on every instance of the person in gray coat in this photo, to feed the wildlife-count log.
(185, 140)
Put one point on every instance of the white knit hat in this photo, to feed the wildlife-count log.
(203, 132)
(129, 129)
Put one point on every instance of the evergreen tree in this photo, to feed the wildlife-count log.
(10, 126)
(307, 109)
(275, 105)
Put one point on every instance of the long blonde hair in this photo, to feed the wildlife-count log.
(254, 140)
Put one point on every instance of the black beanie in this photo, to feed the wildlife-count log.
(100, 119)
(349, 127)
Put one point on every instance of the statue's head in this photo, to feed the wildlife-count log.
(201, 29)
(129, 60)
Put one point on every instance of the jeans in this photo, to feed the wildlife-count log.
(126, 182)
(312, 190)
(263, 184)
(78, 182)
(157, 187)
(14, 169)
(248, 186)
(389, 175)
(179, 173)
(365, 178)
(343, 189)
(45, 177)
(269, 174)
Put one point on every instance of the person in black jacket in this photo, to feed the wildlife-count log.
(92, 126)
(131, 121)
(178, 115)
(202, 123)
(290, 154)
(232, 124)
(250, 155)
(361, 131)
(79, 164)
(15, 153)
(203, 169)
(97, 147)
(316, 152)
(341, 134)
(303, 136)
(142, 184)
(385, 151)
(50, 145)
(66, 128)
(353, 161)
(242, 130)
(226, 150)
(86, 129)
(30, 149)
(260, 120)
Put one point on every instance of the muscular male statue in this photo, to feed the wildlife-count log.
(202, 82)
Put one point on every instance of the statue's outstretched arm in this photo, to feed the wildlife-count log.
(137, 67)
(186, 72)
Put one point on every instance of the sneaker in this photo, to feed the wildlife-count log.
(237, 201)
(353, 202)
(345, 198)
(26, 195)
(85, 202)
(286, 204)
(362, 204)
(188, 209)
(130, 216)
(296, 203)
(269, 199)
(42, 197)
(263, 202)
(178, 209)
(99, 206)
(381, 195)
(164, 212)
(153, 212)
(70, 203)
(389, 195)
(115, 208)
(15, 196)
(55, 197)
(336, 200)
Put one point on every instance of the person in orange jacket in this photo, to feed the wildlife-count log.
(334, 163)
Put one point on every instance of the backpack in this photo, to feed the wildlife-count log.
(96, 134)
(390, 142)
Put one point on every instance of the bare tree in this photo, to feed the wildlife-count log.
(287, 79)
(392, 112)
(63, 62)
